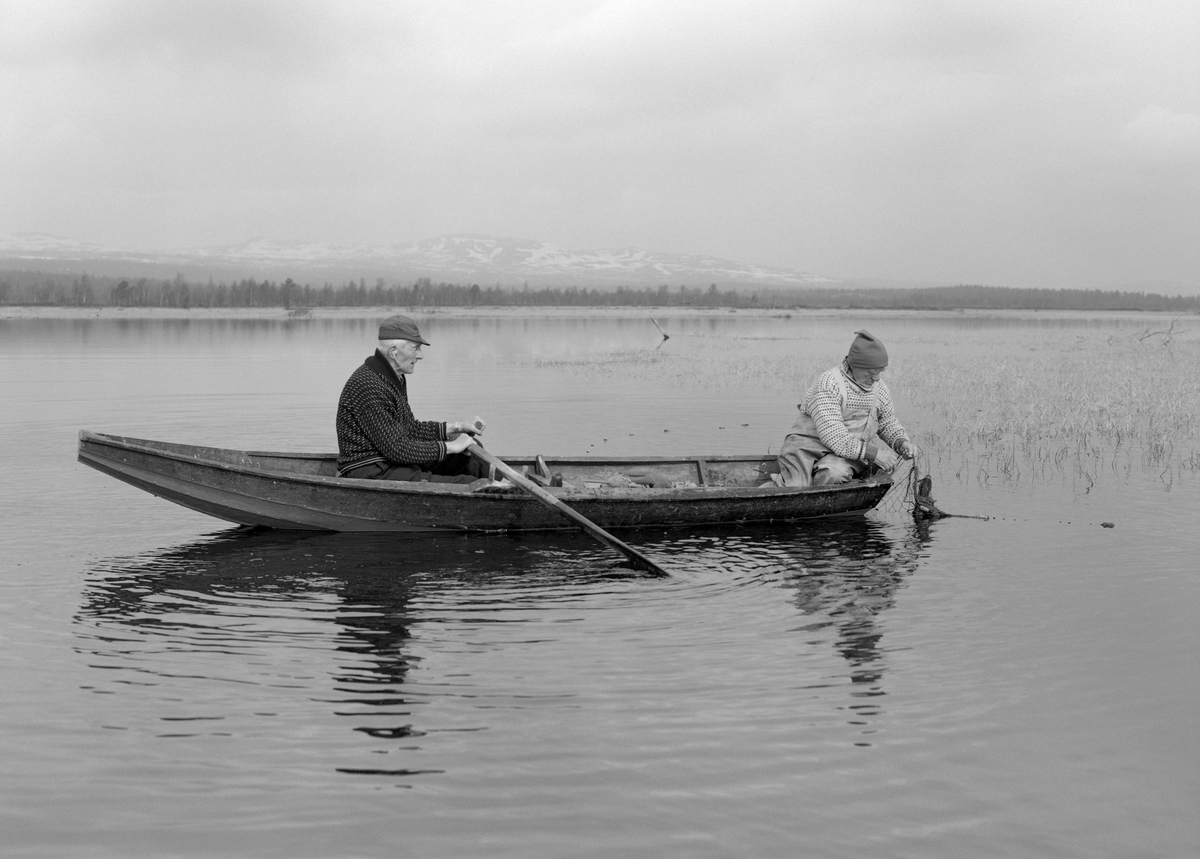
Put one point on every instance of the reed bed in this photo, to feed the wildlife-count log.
(1099, 404)
(1010, 406)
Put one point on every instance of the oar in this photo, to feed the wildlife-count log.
(639, 561)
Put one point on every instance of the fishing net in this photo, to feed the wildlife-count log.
(912, 492)
(920, 490)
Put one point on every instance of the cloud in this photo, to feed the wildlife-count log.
(1163, 137)
(270, 36)
(907, 138)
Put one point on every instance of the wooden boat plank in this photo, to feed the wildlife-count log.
(301, 491)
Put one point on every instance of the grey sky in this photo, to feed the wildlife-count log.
(1008, 143)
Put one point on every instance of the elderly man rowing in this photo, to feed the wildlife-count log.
(378, 436)
(847, 423)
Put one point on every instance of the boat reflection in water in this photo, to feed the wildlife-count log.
(250, 632)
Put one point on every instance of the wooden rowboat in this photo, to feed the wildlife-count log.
(301, 491)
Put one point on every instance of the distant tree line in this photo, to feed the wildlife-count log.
(69, 290)
(969, 297)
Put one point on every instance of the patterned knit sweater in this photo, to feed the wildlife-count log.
(375, 423)
(823, 403)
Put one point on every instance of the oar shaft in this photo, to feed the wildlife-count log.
(638, 560)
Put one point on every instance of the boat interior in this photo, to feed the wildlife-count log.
(578, 472)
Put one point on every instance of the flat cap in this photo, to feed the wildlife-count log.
(400, 328)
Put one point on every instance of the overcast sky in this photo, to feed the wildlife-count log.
(981, 141)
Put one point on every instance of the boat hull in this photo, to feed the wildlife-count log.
(302, 492)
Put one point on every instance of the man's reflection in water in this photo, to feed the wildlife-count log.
(241, 594)
(845, 572)
(245, 593)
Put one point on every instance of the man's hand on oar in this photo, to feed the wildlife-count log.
(475, 426)
(460, 443)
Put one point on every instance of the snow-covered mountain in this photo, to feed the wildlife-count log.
(485, 260)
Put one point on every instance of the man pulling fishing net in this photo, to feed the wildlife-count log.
(847, 423)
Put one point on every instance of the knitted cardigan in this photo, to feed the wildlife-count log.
(375, 423)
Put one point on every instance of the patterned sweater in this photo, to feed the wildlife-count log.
(823, 403)
(375, 423)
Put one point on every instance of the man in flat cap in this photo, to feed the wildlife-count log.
(846, 424)
(378, 436)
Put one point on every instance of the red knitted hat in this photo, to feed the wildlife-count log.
(866, 352)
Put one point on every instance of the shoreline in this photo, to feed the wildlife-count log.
(27, 312)
(19, 312)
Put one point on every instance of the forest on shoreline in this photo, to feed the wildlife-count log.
(32, 288)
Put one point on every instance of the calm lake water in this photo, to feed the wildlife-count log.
(1025, 685)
